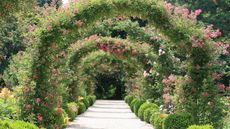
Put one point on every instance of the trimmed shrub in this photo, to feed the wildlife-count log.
(93, 98)
(137, 105)
(145, 106)
(82, 107)
(90, 100)
(132, 104)
(86, 102)
(180, 120)
(128, 99)
(200, 127)
(60, 118)
(157, 120)
(72, 110)
(148, 113)
(7, 124)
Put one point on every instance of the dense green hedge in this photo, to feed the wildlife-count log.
(148, 113)
(157, 120)
(137, 106)
(86, 102)
(134, 101)
(72, 110)
(200, 127)
(90, 100)
(82, 108)
(9, 124)
(129, 99)
(180, 120)
(145, 106)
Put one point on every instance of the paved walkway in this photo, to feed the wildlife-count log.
(108, 114)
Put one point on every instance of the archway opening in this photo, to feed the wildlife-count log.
(110, 86)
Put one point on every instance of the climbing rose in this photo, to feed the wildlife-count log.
(49, 28)
(31, 28)
(205, 94)
(103, 47)
(38, 100)
(216, 76)
(216, 44)
(40, 118)
(28, 106)
(221, 86)
(198, 12)
(46, 13)
(45, 104)
(185, 12)
(197, 43)
(166, 98)
(228, 88)
(65, 31)
(93, 37)
(169, 7)
(169, 80)
(210, 34)
(225, 51)
(218, 32)
(172, 78)
(59, 110)
(78, 23)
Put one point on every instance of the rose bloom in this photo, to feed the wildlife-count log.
(59, 110)
(205, 94)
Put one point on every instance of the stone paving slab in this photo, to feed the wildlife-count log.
(108, 114)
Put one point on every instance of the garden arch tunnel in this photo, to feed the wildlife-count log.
(49, 49)
(119, 48)
(101, 63)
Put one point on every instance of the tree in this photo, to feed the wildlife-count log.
(215, 12)
(11, 42)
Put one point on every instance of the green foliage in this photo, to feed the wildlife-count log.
(93, 98)
(82, 108)
(59, 119)
(137, 106)
(8, 7)
(86, 102)
(148, 113)
(181, 120)
(227, 120)
(134, 101)
(11, 42)
(200, 127)
(157, 120)
(144, 107)
(214, 12)
(129, 99)
(72, 110)
(8, 105)
(9, 124)
(90, 100)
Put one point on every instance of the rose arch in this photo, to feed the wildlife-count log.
(51, 43)
(122, 49)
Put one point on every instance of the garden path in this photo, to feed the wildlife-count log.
(108, 114)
